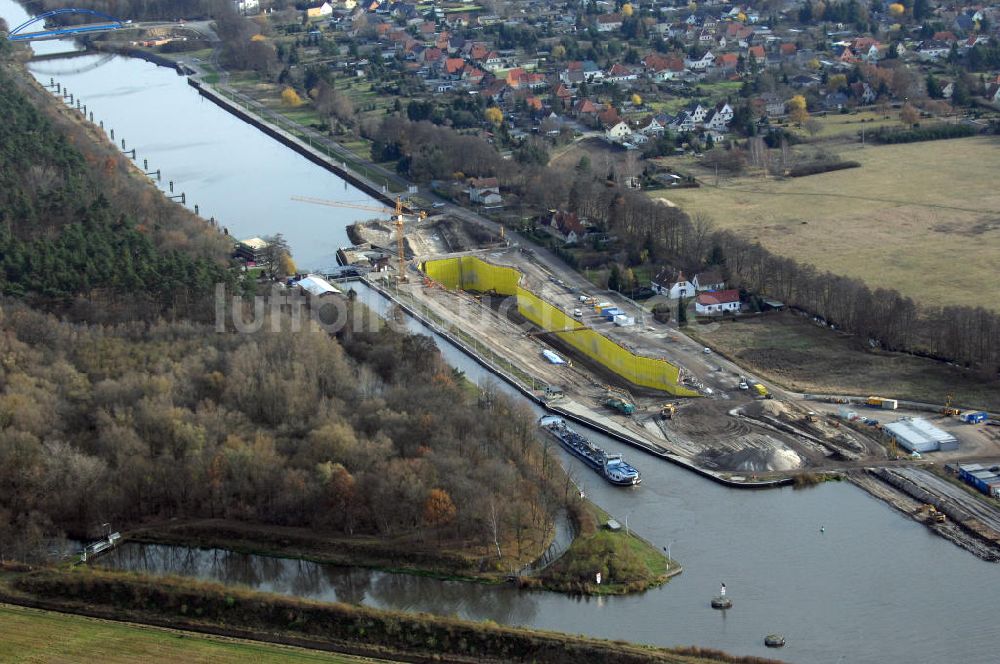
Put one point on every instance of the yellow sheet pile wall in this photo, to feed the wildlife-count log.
(471, 273)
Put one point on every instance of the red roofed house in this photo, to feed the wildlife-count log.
(719, 302)
(756, 52)
(453, 67)
(567, 225)
(727, 61)
(484, 190)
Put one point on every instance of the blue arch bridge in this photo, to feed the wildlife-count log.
(108, 23)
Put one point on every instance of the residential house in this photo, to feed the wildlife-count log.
(485, 191)
(933, 50)
(652, 127)
(453, 68)
(619, 73)
(774, 105)
(326, 9)
(700, 64)
(567, 225)
(727, 62)
(609, 22)
(608, 117)
(698, 112)
(672, 284)
(618, 133)
(661, 68)
(863, 93)
(835, 101)
(708, 281)
(247, 7)
(717, 303)
(718, 118)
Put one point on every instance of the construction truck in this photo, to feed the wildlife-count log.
(882, 402)
(668, 411)
(761, 391)
(620, 404)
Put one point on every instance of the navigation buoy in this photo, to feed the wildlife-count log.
(721, 601)
(774, 641)
(822, 529)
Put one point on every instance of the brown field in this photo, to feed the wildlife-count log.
(792, 351)
(923, 218)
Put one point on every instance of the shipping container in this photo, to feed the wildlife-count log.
(624, 321)
(889, 404)
(973, 417)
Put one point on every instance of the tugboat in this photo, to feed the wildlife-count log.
(611, 466)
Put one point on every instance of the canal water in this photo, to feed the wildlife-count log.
(874, 587)
(232, 171)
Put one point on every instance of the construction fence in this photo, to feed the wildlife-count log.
(472, 274)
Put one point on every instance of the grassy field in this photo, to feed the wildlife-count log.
(921, 218)
(794, 352)
(849, 124)
(31, 635)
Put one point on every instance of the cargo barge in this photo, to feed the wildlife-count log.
(611, 466)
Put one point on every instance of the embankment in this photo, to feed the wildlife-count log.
(216, 609)
(312, 154)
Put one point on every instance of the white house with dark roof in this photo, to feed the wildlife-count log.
(673, 284)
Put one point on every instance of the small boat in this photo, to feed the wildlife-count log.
(611, 466)
(774, 641)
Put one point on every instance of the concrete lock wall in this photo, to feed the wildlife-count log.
(471, 273)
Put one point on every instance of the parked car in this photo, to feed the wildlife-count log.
(707, 351)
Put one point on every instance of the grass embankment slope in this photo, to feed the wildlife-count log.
(920, 218)
(214, 608)
(794, 352)
(627, 563)
(33, 635)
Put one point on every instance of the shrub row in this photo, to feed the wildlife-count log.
(934, 133)
(823, 167)
(185, 602)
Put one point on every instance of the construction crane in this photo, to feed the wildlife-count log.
(398, 217)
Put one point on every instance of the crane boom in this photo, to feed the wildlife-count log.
(398, 217)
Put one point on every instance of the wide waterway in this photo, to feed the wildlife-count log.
(874, 587)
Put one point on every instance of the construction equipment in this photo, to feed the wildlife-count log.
(619, 399)
(668, 411)
(811, 417)
(761, 391)
(619, 404)
(948, 409)
(882, 402)
(399, 213)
